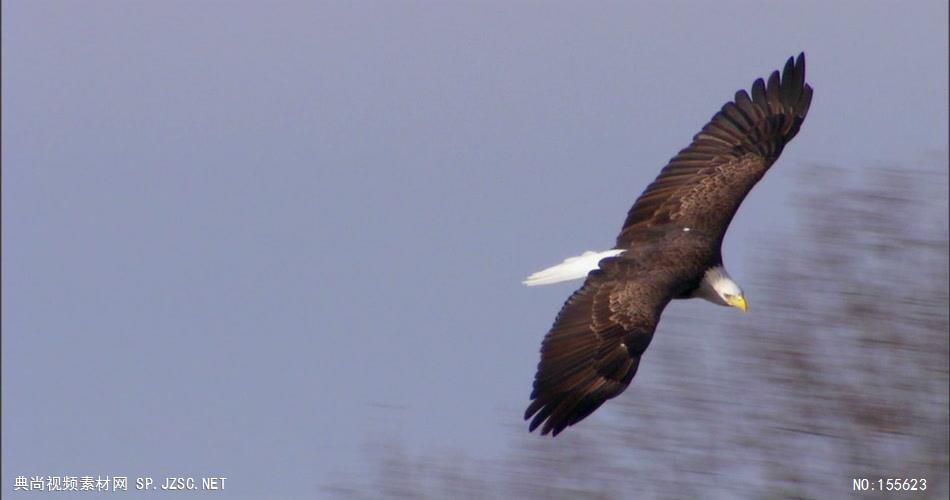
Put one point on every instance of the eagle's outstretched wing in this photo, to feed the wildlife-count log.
(705, 183)
(592, 352)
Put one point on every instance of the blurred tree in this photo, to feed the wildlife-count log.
(840, 372)
(850, 359)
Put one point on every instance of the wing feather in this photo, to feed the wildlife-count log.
(704, 184)
(593, 350)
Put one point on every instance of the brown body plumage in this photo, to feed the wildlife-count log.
(671, 237)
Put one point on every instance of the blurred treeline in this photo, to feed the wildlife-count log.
(841, 372)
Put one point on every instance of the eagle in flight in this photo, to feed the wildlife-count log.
(669, 248)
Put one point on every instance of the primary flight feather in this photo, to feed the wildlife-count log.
(668, 248)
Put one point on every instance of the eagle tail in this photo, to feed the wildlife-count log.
(571, 269)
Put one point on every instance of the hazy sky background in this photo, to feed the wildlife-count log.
(247, 239)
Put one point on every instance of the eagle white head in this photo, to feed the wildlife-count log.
(718, 288)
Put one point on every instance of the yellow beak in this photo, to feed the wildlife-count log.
(738, 302)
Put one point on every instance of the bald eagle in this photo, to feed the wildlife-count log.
(668, 248)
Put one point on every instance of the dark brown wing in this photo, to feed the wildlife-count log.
(705, 183)
(593, 350)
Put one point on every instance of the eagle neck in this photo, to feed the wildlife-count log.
(711, 280)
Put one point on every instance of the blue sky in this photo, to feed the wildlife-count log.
(247, 239)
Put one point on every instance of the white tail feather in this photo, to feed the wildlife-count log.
(571, 269)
